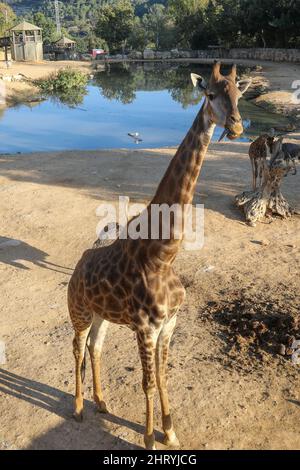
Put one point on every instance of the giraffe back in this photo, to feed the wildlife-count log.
(258, 148)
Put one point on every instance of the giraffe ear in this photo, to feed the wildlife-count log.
(198, 81)
(243, 85)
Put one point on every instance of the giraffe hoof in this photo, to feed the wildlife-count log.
(149, 441)
(101, 407)
(172, 442)
(78, 416)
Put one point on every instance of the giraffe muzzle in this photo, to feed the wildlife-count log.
(230, 134)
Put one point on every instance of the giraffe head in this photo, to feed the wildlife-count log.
(222, 94)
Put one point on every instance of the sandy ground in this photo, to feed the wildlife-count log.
(48, 202)
(23, 91)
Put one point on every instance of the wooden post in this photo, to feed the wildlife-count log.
(24, 45)
(268, 197)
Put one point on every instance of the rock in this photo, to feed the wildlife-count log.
(281, 349)
(289, 340)
(185, 54)
(148, 54)
(135, 55)
(208, 269)
(166, 55)
(175, 54)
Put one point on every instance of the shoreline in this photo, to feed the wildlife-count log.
(272, 81)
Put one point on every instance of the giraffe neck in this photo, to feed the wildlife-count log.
(179, 182)
(177, 187)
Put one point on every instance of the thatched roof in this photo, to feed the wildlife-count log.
(25, 26)
(64, 41)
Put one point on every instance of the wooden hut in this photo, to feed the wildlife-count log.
(65, 44)
(26, 42)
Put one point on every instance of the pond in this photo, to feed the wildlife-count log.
(157, 101)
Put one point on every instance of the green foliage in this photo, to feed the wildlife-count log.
(188, 16)
(67, 85)
(138, 38)
(115, 23)
(47, 24)
(158, 26)
(89, 42)
(171, 23)
(7, 18)
(273, 24)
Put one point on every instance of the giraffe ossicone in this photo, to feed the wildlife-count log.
(132, 281)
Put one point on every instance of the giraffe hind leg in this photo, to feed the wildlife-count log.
(79, 347)
(147, 344)
(161, 359)
(83, 367)
(95, 345)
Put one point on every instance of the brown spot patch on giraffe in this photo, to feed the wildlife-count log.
(123, 263)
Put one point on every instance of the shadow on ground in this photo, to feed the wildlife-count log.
(92, 433)
(16, 255)
(104, 175)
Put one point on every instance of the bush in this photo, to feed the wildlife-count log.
(67, 85)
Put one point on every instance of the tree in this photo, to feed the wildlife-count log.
(156, 22)
(188, 16)
(48, 26)
(115, 23)
(274, 24)
(138, 38)
(7, 18)
(222, 22)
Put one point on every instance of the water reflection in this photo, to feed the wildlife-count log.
(121, 81)
(71, 97)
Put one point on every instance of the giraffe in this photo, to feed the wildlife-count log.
(259, 150)
(132, 282)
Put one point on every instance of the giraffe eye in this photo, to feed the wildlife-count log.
(211, 96)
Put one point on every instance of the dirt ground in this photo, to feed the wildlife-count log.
(23, 91)
(220, 400)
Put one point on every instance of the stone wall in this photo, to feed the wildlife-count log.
(275, 55)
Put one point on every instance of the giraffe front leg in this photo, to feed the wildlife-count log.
(95, 345)
(161, 356)
(79, 344)
(147, 343)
